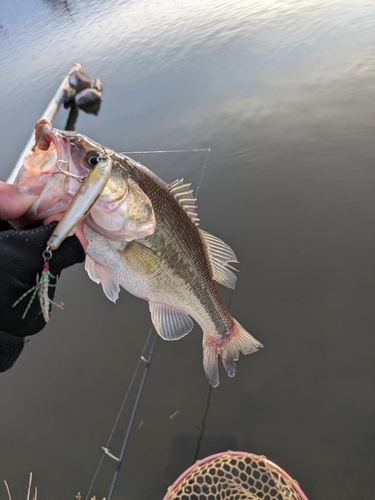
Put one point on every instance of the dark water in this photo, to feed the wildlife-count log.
(283, 93)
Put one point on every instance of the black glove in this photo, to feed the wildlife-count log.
(10, 348)
(20, 261)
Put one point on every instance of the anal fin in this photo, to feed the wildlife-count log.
(170, 323)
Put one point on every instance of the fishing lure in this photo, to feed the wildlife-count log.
(41, 288)
(90, 190)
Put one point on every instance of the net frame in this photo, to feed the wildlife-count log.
(181, 489)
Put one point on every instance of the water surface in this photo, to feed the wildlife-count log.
(283, 94)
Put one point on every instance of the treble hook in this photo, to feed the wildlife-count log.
(78, 178)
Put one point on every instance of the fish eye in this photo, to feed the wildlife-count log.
(93, 158)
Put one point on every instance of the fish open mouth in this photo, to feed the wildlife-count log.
(43, 139)
(51, 149)
(48, 149)
(47, 139)
(50, 154)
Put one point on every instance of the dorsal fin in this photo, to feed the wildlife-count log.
(184, 195)
(220, 254)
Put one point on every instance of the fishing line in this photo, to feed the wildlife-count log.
(203, 426)
(199, 150)
(208, 151)
(141, 358)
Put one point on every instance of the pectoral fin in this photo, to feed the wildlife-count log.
(99, 274)
(141, 259)
(170, 323)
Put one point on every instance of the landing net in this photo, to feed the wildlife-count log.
(235, 476)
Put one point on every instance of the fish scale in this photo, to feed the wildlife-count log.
(183, 252)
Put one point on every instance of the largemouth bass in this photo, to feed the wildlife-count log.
(173, 268)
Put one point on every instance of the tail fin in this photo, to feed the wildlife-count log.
(238, 341)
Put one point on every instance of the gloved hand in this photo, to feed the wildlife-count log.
(10, 348)
(20, 261)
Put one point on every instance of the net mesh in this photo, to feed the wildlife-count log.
(235, 476)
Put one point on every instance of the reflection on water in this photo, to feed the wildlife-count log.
(281, 92)
(60, 8)
(175, 51)
(91, 109)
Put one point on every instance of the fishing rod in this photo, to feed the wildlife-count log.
(130, 385)
(132, 416)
